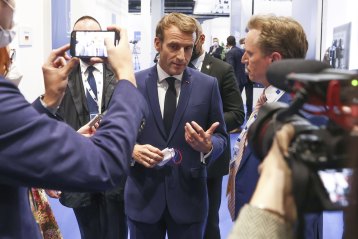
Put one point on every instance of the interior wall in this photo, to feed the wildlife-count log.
(106, 12)
(216, 27)
(310, 19)
(336, 14)
(30, 58)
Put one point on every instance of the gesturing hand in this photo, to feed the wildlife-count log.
(199, 139)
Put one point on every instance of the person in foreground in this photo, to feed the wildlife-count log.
(36, 151)
(270, 38)
(271, 211)
(187, 116)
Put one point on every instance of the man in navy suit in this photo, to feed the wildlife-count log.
(36, 151)
(172, 198)
(233, 57)
(269, 39)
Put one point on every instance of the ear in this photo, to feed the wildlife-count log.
(202, 38)
(276, 56)
(157, 44)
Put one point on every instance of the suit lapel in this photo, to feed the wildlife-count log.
(76, 89)
(152, 92)
(109, 84)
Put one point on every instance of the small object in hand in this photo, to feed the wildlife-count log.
(169, 153)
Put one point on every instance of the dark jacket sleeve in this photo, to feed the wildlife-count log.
(37, 151)
(232, 102)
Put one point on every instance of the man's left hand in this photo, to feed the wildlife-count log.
(199, 139)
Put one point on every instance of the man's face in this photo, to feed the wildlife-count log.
(6, 13)
(198, 48)
(255, 60)
(175, 50)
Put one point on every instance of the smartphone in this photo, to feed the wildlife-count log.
(86, 44)
(337, 184)
(95, 119)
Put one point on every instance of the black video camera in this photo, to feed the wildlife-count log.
(318, 155)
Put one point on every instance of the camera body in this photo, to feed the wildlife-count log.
(317, 154)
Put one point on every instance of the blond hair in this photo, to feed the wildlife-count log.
(280, 34)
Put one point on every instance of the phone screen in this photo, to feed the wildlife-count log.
(86, 44)
(337, 184)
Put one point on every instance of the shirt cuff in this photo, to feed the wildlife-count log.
(203, 156)
(52, 110)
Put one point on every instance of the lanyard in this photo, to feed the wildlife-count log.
(96, 99)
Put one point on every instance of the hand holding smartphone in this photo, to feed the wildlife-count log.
(95, 120)
(87, 44)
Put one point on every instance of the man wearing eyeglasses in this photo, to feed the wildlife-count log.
(36, 151)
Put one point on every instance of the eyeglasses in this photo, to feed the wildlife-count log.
(9, 4)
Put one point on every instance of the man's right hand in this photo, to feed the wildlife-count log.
(147, 155)
(55, 71)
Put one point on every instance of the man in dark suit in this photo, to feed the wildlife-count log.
(216, 50)
(233, 57)
(234, 117)
(101, 214)
(36, 151)
(173, 198)
(269, 39)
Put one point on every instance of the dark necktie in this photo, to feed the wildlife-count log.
(91, 102)
(170, 104)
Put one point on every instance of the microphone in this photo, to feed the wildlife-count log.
(133, 41)
(277, 72)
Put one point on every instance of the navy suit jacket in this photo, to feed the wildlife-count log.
(36, 151)
(233, 57)
(247, 174)
(179, 187)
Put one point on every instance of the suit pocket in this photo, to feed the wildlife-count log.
(198, 172)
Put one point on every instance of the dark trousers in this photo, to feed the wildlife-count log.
(104, 219)
(249, 91)
(166, 225)
(212, 230)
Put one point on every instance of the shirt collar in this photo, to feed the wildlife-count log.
(162, 75)
(198, 61)
(273, 94)
(84, 66)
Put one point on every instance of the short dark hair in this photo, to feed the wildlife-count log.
(231, 41)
